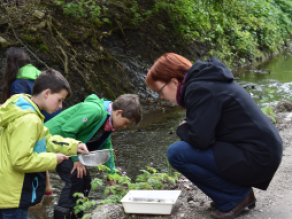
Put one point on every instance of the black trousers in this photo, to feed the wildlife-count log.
(73, 184)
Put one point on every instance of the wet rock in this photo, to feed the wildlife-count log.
(3, 43)
(284, 106)
(38, 14)
(107, 211)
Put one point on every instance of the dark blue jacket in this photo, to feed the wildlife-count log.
(221, 115)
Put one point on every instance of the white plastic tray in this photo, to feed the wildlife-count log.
(150, 201)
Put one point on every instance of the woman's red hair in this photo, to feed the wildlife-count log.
(168, 66)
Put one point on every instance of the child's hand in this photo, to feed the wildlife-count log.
(80, 169)
(81, 148)
(61, 158)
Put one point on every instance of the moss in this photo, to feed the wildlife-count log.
(74, 38)
(28, 39)
(43, 47)
(95, 44)
(87, 34)
(98, 23)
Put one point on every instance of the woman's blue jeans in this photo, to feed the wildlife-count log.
(199, 167)
(14, 213)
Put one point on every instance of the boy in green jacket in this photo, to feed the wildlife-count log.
(24, 142)
(91, 122)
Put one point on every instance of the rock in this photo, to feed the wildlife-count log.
(41, 25)
(107, 211)
(284, 106)
(3, 43)
(38, 14)
(32, 29)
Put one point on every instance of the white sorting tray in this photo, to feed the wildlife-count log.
(150, 201)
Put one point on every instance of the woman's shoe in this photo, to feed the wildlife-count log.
(249, 202)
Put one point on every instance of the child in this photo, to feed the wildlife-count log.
(23, 139)
(91, 122)
(19, 77)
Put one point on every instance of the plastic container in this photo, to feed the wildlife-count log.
(158, 202)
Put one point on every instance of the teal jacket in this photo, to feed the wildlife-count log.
(82, 121)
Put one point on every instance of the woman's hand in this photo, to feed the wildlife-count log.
(81, 148)
(61, 158)
(183, 122)
(80, 169)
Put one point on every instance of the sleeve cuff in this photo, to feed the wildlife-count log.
(181, 131)
(74, 159)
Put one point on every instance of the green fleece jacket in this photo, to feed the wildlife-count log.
(81, 122)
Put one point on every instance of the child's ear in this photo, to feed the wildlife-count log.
(119, 113)
(47, 92)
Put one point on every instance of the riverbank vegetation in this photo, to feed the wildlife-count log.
(102, 45)
(233, 30)
(150, 179)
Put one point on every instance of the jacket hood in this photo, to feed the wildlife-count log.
(94, 99)
(17, 106)
(28, 72)
(212, 70)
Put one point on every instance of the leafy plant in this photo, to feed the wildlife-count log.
(268, 109)
(82, 8)
(150, 179)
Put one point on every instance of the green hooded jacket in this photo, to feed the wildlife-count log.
(81, 122)
(24, 143)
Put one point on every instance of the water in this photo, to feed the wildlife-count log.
(275, 73)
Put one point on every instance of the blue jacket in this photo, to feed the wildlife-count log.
(24, 84)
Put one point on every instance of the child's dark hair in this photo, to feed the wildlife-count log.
(51, 79)
(16, 59)
(131, 107)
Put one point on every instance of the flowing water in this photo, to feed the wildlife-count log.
(139, 146)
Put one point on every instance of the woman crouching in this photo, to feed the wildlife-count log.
(227, 144)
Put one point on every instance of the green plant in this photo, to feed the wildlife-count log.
(82, 8)
(149, 179)
(268, 109)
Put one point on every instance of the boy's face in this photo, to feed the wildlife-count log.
(119, 121)
(53, 102)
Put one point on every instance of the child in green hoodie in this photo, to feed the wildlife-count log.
(24, 142)
(91, 122)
